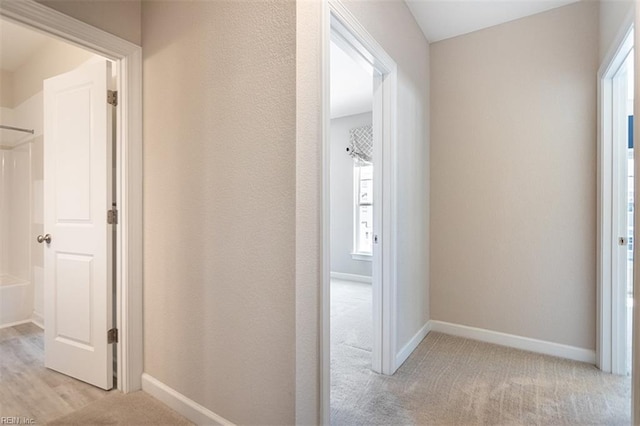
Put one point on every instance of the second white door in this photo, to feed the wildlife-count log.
(78, 240)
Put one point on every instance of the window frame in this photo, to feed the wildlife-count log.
(357, 254)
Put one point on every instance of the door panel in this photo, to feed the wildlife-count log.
(78, 193)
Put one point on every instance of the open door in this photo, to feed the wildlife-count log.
(78, 241)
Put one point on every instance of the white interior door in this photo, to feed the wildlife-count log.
(78, 193)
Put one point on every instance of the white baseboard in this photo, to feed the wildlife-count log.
(37, 319)
(407, 349)
(517, 342)
(351, 277)
(180, 403)
(12, 324)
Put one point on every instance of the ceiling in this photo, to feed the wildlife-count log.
(442, 19)
(351, 82)
(17, 44)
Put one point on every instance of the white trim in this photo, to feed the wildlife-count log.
(618, 43)
(13, 324)
(350, 277)
(130, 260)
(186, 407)
(635, 369)
(129, 164)
(378, 355)
(357, 181)
(37, 319)
(325, 271)
(607, 310)
(364, 257)
(517, 342)
(56, 24)
(390, 226)
(412, 344)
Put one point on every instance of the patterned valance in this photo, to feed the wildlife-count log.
(361, 143)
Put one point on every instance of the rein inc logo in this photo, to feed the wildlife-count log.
(15, 420)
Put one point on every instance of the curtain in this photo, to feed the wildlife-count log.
(361, 143)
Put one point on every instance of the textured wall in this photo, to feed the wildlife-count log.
(119, 17)
(342, 197)
(6, 89)
(514, 177)
(219, 197)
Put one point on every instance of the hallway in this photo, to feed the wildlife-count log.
(451, 380)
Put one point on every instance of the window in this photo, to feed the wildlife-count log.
(363, 211)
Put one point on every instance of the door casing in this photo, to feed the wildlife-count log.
(338, 21)
(610, 341)
(128, 274)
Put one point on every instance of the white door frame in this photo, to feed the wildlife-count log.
(635, 366)
(610, 342)
(128, 58)
(338, 20)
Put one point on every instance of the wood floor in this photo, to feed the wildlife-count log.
(27, 388)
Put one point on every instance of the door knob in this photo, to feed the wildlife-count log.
(44, 238)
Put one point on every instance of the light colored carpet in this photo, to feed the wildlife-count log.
(137, 408)
(451, 380)
(351, 315)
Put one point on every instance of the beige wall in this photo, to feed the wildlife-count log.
(119, 17)
(53, 58)
(219, 197)
(394, 28)
(514, 177)
(613, 13)
(6, 89)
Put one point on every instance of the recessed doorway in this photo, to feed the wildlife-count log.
(365, 147)
(352, 198)
(616, 209)
(127, 177)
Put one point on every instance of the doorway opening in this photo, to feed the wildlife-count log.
(616, 208)
(364, 147)
(56, 144)
(353, 164)
(127, 173)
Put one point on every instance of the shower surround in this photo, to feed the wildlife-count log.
(16, 288)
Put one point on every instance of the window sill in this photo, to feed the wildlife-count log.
(367, 257)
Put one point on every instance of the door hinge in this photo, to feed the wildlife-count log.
(112, 335)
(112, 216)
(112, 97)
